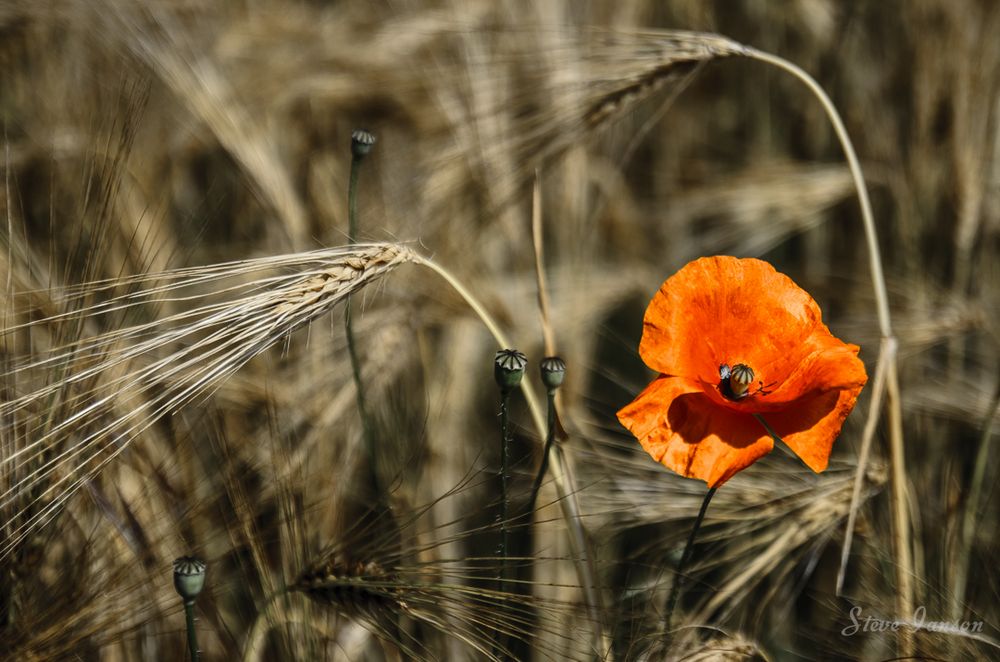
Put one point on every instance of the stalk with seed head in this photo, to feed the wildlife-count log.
(361, 144)
(189, 579)
(553, 370)
(508, 369)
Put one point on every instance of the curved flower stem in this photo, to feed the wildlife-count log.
(901, 523)
(366, 426)
(367, 429)
(550, 437)
(561, 475)
(774, 435)
(192, 634)
(675, 588)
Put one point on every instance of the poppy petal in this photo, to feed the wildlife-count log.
(706, 320)
(811, 425)
(727, 310)
(643, 415)
(828, 364)
(688, 433)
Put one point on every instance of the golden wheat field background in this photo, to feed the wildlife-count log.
(177, 379)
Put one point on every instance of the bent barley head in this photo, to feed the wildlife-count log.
(163, 364)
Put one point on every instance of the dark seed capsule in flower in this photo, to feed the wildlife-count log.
(508, 368)
(553, 372)
(189, 577)
(361, 142)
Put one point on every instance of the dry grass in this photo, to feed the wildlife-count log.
(153, 406)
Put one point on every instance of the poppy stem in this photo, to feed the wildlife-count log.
(675, 590)
(191, 632)
(553, 372)
(774, 435)
(508, 369)
(550, 436)
(504, 460)
(189, 580)
(499, 642)
(361, 144)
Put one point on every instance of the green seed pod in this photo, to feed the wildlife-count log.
(553, 371)
(740, 379)
(189, 577)
(361, 143)
(508, 368)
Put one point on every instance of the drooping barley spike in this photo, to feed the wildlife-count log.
(112, 386)
(355, 588)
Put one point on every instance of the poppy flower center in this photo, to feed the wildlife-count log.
(734, 383)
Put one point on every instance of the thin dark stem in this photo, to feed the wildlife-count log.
(675, 589)
(504, 496)
(550, 436)
(774, 435)
(352, 200)
(191, 634)
(368, 431)
(499, 642)
(352, 350)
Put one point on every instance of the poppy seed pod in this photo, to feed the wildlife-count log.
(189, 577)
(553, 371)
(740, 379)
(361, 143)
(508, 368)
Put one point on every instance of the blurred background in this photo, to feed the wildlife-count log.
(145, 136)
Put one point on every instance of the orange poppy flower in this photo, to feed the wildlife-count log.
(732, 338)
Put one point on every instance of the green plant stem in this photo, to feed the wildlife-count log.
(772, 433)
(352, 200)
(550, 437)
(499, 651)
(192, 635)
(675, 589)
(504, 496)
(359, 391)
(367, 429)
